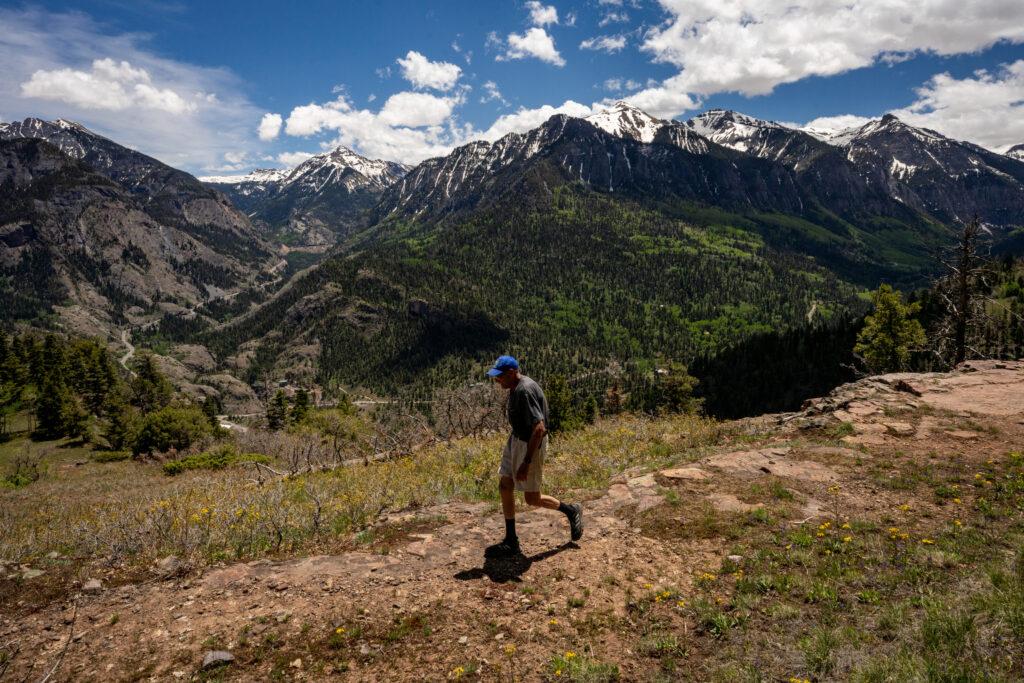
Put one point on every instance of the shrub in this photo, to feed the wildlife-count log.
(214, 459)
(171, 427)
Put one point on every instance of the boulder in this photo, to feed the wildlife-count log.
(215, 658)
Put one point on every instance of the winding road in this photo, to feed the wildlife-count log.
(126, 339)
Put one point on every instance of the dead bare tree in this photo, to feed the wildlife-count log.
(963, 292)
(476, 410)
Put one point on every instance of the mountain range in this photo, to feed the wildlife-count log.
(103, 235)
(582, 244)
(316, 203)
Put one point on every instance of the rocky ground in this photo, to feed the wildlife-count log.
(422, 604)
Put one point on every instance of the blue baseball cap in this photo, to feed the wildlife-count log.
(502, 364)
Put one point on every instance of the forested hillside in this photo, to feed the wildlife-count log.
(587, 287)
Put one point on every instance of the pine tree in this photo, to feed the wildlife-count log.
(212, 407)
(277, 411)
(122, 423)
(301, 406)
(890, 332)
(150, 389)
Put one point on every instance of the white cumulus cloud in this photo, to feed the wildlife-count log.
(270, 127)
(416, 109)
(609, 44)
(294, 158)
(492, 93)
(540, 14)
(64, 65)
(108, 84)
(528, 119)
(423, 73)
(752, 46)
(409, 127)
(534, 43)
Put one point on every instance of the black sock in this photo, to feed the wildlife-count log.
(510, 530)
(564, 509)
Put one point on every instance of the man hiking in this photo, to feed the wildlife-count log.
(522, 461)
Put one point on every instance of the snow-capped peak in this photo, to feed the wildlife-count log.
(729, 128)
(259, 175)
(887, 124)
(1016, 152)
(626, 121)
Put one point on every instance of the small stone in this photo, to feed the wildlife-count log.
(32, 573)
(53, 555)
(92, 586)
(500, 636)
(169, 565)
(963, 434)
(735, 559)
(463, 640)
(296, 664)
(215, 658)
(364, 650)
(900, 428)
(685, 474)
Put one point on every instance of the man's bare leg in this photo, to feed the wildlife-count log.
(509, 546)
(573, 512)
(507, 488)
(538, 499)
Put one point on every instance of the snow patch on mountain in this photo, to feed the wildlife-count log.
(626, 121)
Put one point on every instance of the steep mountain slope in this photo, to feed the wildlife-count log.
(948, 179)
(942, 178)
(822, 206)
(322, 199)
(1016, 152)
(167, 195)
(577, 151)
(75, 243)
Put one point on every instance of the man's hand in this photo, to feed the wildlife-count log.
(522, 471)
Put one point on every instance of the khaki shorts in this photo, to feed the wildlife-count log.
(512, 457)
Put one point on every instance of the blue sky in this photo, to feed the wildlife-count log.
(191, 82)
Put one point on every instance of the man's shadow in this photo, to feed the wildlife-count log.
(504, 569)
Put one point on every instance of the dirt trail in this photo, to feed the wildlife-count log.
(425, 602)
(126, 339)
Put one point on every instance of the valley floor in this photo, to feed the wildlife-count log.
(873, 536)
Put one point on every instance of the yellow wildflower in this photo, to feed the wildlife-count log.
(553, 622)
(570, 654)
(680, 603)
(846, 525)
(510, 649)
(927, 541)
(847, 539)
(957, 522)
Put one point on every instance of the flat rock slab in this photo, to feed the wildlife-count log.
(835, 451)
(900, 428)
(685, 474)
(726, 502)
(963, 434)
(770, 461)
(994, 388)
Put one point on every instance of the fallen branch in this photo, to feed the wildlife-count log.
(60, 660)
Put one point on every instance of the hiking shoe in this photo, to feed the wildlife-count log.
(576, 521)
(506, 548)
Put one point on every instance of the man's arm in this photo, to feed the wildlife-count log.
(536, 436)
(539, 430)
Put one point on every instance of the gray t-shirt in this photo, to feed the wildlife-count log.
(526, 407)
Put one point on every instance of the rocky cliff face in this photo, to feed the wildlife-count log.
(75, 242)
(165, 194)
